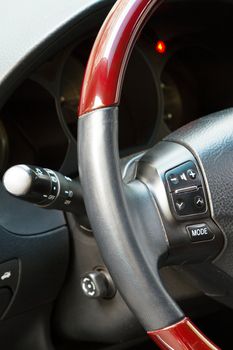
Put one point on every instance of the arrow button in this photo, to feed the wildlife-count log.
(199, 201)
(180, 204)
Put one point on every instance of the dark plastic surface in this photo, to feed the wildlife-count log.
(24, 218)
(28, 331)
(5, 298)
(43, 263)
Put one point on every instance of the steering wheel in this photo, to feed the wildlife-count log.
(176, 209)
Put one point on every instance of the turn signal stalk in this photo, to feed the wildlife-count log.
(44, 187)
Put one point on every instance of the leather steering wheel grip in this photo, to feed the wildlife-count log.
(107, 198)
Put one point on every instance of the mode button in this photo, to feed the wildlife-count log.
(200, 232)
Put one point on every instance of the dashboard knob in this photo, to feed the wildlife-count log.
(98, 284)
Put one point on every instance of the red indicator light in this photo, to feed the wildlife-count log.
(160, 47)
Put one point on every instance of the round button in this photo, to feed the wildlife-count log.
(199, 202)
(192, 174)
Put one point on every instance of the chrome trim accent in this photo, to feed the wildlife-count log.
(186, 189)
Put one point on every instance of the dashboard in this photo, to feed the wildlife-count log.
(180, 70)
(162, 91)
(190, 78)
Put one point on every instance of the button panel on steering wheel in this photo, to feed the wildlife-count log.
(185, 190)
(174, 178)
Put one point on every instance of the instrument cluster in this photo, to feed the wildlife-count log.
(181, 69)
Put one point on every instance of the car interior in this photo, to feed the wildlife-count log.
(70, 275)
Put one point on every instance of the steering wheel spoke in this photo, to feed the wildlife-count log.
(174, 178)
